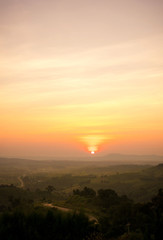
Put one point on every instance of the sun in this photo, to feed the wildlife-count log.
(93, 142)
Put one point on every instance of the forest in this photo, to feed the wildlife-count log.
(59, 200)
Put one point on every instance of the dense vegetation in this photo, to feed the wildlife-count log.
(41, 224)
(117, 217)
(138, 182)
(120, 216)
(95, 206)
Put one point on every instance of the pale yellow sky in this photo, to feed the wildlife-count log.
(80, 75)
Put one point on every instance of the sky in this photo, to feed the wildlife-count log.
(81, 76)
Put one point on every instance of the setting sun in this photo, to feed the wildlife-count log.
(93, 142)
(75, 85)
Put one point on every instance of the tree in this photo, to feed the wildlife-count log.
(107, 197)
(50, 188)
(86, 192)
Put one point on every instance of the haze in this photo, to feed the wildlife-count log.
(81, 76)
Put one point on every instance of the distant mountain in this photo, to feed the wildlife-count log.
(155, 171)
(15, 161)
(110, 158)
(132, 159)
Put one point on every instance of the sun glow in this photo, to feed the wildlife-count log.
(60, 93)
(93, 142)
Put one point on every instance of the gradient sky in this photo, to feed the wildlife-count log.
(78, 76)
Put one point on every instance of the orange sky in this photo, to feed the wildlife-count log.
(78, 76)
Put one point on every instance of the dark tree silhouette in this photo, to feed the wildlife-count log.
(50, 188)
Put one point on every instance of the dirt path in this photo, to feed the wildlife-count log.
(59, 208)
(21, 182)
(91, 218)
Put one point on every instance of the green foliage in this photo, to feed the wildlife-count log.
(107, 197)
(132, 236)
(134, 221)
(50, 188)
(40, 224)
(139, 186)
(12, 197)
(138, 182)
(119, 218)
(86, 192)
